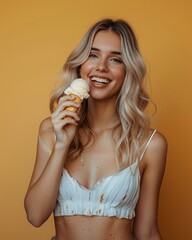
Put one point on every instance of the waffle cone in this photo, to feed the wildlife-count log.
(77, 99)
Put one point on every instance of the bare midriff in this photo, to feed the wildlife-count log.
(93, 228)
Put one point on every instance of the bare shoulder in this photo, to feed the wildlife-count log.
(46, 132)
(46, 125)
(158, 142)
(157, 149)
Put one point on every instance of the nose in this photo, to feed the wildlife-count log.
(102, 65)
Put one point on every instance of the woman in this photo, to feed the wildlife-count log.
(100, 168)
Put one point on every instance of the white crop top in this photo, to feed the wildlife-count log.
(114, 195)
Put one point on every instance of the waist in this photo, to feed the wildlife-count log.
(92, 227)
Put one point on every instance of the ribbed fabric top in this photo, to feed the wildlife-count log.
(114, 195)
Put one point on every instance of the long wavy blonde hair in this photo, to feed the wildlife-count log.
(130, 136)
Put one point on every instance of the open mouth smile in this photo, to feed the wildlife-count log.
(100, 80)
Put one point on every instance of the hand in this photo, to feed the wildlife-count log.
(65, 122)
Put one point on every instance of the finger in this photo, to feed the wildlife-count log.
(68, 120)
(63, 123)
(65, 98)
(65, 114)
(64, 105)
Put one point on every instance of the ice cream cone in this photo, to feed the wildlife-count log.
(77, 99)
(78, 88)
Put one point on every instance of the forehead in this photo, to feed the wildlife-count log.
(107, 39)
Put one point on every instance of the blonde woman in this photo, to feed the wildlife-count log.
(99, 170)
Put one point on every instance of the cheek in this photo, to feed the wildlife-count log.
(85, 68)
(120, 75)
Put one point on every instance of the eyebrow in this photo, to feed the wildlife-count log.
(113, 52)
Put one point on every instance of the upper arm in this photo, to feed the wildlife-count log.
(44, 148)
(145, 223)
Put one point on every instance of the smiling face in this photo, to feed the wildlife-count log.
(104, 68)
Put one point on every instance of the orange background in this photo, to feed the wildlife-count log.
(36, 37)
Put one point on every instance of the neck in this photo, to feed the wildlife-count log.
(102, 115)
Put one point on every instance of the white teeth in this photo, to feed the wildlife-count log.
(100, 80)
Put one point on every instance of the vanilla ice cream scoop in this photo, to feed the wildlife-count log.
(79, 88)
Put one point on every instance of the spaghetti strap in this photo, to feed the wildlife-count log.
(148, 142)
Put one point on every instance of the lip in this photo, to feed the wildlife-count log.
(100, 77)
(98, 85)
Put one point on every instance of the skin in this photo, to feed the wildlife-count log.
(104, 62)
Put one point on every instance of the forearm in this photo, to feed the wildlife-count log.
(41, 196)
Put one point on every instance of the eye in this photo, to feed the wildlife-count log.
(92, 55)
(116, 60)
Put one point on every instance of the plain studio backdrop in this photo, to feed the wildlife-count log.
(36, 37)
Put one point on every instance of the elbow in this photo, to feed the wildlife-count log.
(34, 216)
(146, 236)
(146, 231)
(36, 222)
